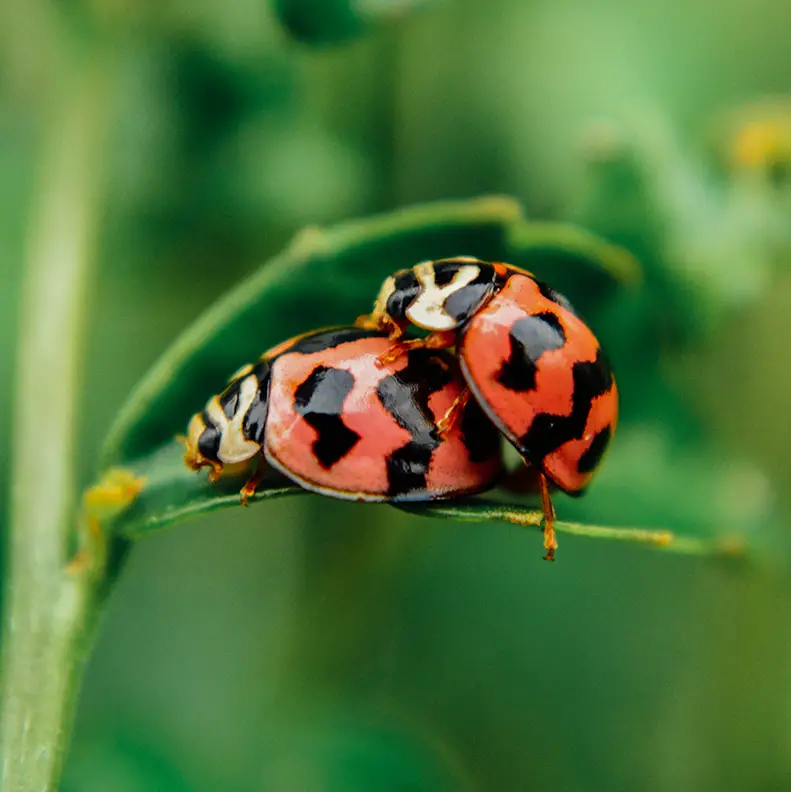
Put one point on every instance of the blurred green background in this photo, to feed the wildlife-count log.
(311, 645)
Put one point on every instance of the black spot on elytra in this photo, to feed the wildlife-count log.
(592, 456)
(405, 396)
(550, 294)
(254, 422)
(478, 433)
(548, 432)
(319, 400)
(530, 338)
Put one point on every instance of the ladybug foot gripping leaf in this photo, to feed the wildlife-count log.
(526, 479)
(194, 461)
(550, 540)
(250, 486)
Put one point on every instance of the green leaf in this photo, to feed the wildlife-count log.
(333, 21)
(357, 752)
(113, 758)
(171, 493)
(573, 261)
(326, 277)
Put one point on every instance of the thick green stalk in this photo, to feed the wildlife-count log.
(50, 610)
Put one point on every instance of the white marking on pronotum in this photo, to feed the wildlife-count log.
(428, 308)
(234, 446)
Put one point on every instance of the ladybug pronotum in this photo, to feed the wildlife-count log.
(327, 411)
(528, 359)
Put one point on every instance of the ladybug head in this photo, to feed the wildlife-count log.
(229, 430)
(203, 444)
(396, 294)
(436, 295)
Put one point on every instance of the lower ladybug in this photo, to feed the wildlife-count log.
(325, 410)
(528, 359)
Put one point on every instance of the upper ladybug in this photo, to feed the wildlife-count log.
(529, 360)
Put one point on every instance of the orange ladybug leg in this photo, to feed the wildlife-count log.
(215, 472)
(453, 413)
(367, 321)
(399, 348)
(441, 340)
(374, 322)
(550, 540)
(395, 330)
(250, 486)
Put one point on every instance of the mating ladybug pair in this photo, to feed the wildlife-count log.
(362, 413)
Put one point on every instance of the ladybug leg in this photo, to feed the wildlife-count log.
(395, 330)
(373, 322)
(194, 460)
(453, 413)
(441, 340)
(527, 480)
(550, 540)
(215, 472)
(399, 348)
(250, 486)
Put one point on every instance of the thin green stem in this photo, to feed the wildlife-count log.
(50, 609)
(659, 538)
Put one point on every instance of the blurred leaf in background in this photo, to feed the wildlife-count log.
(235, 643)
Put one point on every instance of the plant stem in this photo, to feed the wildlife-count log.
(50, 611)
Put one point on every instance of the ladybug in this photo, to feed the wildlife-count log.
(528, 359)
(324, 410)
